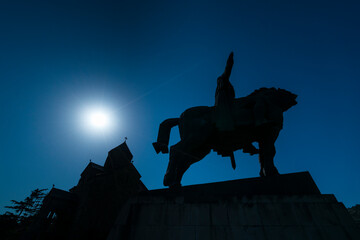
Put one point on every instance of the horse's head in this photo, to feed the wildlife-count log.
(281, 97)
(285, 99)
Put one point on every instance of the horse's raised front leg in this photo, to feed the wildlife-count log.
(182, 155)
(267, 153)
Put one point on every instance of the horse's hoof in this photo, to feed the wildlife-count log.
(160, 147)
(274, 172)
(170, 181)
(269, 172)
(175, 186)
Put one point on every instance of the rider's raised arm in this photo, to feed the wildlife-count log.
(223, 80)
(225, 93)
(229, 65)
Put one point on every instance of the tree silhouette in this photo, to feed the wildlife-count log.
(37, 196)
(30, 206)
(19, 207)
(12, 226)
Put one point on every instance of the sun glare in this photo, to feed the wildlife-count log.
(98, 119)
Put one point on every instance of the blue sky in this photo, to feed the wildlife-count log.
(150, 60)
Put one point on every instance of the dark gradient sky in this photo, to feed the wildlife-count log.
(151, 60)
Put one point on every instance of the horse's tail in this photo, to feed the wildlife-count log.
(161, 145)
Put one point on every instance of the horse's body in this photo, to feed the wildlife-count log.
(257, 117)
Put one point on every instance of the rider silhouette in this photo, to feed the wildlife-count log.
(224, 98)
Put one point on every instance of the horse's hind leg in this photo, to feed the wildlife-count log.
(176, 161)
(171, 171)
(182, 155)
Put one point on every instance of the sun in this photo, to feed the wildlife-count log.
(98, 119)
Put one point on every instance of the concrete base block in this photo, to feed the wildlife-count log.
(227, 212)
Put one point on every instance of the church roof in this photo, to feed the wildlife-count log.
(92, 167)
(118, 156)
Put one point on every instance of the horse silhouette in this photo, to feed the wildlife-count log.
(256, 118)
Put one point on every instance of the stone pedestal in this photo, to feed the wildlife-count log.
(289, 206)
